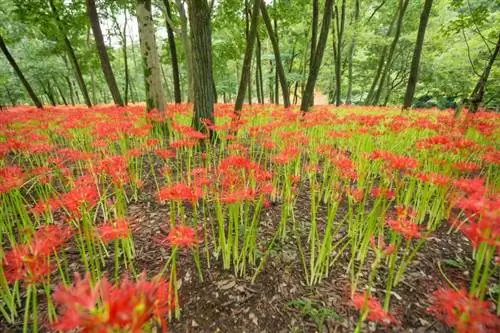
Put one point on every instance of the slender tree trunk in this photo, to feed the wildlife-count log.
(415, 61)
(173, 55)
(125, 58)
(258, 59)
(186, 43)
(318, 57)
(277, 55)
(150, 58)
(59, 90)
(339, 24)
(478, 92)
(271, 86)
(48, 92)
(201, 43)
(351, 53)
(20, 74)
(72, 56)
(381, 61)
(70, 88)
(387, 69)
(107, 70)
(247, 59)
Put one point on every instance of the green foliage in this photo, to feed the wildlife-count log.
(317, 313)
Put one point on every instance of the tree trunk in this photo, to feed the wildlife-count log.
(381, 61)
(72, 56)
(478, 92)
(60, 91)
(20, 74)
(277, 55)
(186, 42)
(415, 61)
(201, 43)
(173, 55)
(339, 25)
(247, 59)
(150, 58)
(70, 88)
(318, 57)
(351, 53)
(107, 70)
(125, 59)
(258, 60)
(387, 69)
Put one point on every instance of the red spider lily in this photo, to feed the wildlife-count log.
(22, 264)
(42, 206)
(465, 166)
(117, 229)
(383, 192)
(365, 303)
(386, 249)
(469, 186)
(181, 236)
(356, 194)
(85, 196)
(165, 153)
(48, 239)
(234, 196)
(11, 177)
(405, 227)
(463, 312)
(178, 192)
(287, 155)
(116, 168)
(492, 157)
(105, 307)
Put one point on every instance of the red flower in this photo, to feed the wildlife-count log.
(117, 229)
(365, 303)
(463, 312)
(109, 308)
(178, 192)
(181, 236)
(405, 227)
(116, 168)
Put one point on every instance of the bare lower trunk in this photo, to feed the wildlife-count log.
(478, 92)
(318, 57)
(72, 56)
(201, 43)
(20, 74)
(107, 70)
(150, 58)
(247, 60)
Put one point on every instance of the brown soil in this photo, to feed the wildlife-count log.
(224, 303)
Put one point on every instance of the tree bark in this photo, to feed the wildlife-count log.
(339, 25)
(318, 57)
(247, 59)
(277, 55)
(107, 70)
(186, 42)
(381, 61)
(201, 43)
(20, 74)
(388, 63)
(478, 92)
(150, 58)
(72, 56)
(415, 61)
(351, 54)
(173, 55)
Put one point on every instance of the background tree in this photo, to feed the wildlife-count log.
(201, 43)
(150, 58)
(103, 54)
